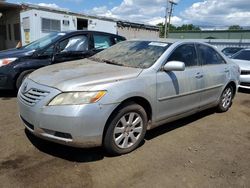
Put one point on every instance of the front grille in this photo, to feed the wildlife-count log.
(33, 96)
(245, 84)
(245, 72)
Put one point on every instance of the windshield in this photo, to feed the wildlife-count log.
(138, 54)
(242, 55)
(44, 41)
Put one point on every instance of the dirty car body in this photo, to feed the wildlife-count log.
(146, 73)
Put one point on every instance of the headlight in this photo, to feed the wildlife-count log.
(7, 61)
(77, 98)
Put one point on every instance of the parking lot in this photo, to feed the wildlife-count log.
(205, 150)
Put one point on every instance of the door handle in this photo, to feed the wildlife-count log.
(199, 75)
(226, 71)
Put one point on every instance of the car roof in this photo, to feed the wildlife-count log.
(176, 41)
(86, 31)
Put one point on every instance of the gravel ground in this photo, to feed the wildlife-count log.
(205, 150)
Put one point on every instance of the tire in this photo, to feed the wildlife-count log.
(22, 77)
(225, 99)
(126, 129)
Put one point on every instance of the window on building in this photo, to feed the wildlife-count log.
(9, 31)
(49, 25)
(17, 32)
(66, 22)
(102, 41)
(185, 53)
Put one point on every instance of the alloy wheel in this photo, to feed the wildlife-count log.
(227, 98)
(128, 130)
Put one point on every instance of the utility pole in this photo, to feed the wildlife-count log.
(166, 20)
(172, 3)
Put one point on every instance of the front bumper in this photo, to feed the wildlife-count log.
(245, 81)
(73, 125)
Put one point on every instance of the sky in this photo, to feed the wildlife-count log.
(204, 13)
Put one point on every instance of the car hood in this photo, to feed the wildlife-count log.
(82, 75)
(15, 53)
(244, 64)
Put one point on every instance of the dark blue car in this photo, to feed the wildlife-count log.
(16, 64)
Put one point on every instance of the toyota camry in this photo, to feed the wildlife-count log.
(114, 97)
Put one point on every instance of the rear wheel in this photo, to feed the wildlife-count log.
(126, 130)
(226, 99)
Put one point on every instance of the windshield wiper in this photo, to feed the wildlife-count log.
(105, 61)
(111, 62)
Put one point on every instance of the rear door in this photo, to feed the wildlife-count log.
(215, 73)
(179, 91)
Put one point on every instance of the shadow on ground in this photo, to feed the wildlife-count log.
(66, 152)
(95, 154)
(7, 94)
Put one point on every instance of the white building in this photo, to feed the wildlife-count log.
(27, 22)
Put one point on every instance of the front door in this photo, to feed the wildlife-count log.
(72, 48)
(179, 91)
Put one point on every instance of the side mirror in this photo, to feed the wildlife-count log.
(174, 66)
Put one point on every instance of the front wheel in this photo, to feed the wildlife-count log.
(225, 99)
(126, 130)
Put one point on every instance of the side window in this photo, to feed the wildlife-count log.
(185, 53)
(102, 41)
(74, 44)
(209, 56)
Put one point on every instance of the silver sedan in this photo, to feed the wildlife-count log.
(112, 98)
(242, 58)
